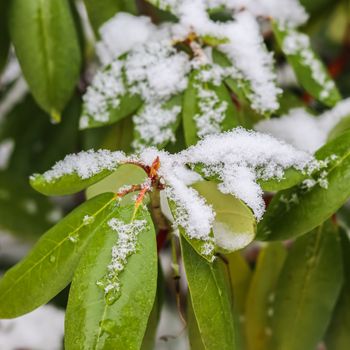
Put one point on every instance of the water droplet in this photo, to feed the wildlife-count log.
(108, 326)
(87, 219)
(52, 258)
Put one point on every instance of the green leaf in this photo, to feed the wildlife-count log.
(235, 225)
(261, 294)
(101, 11)
(211, 300)
(240, 278)
(46, 43)
(307, 290)
(193, 113)
(115, 320)
(285, 216)
(194, 334)
(309, 70)
(162, 5)
(340, 128)
(127, 174)
(49, 267)
(338, 336)
(165, 131)
(4, 35)
(291, 178)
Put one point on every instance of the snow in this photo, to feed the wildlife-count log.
(41, 329)
(122, 33)
(127, 234)
(84, 164)
(303, 130)
(154, 124)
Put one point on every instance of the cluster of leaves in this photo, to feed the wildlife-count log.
(229, 306)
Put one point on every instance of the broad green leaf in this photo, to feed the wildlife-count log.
(261, 295)
(96, 320)
(194, 334)
(24, 212)
(159, 135)
(211, 300)
(307, 290)
(126, 174)
(340, 128)
(235, 225)
(286, 215)
(101, 11)
(4, 35)
(49, 267)
(240, 279)
(338, 335)
(309, 70)
(195, 127)
(46, 43)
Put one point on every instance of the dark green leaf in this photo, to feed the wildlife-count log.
(307, 290)
(211, 300)
(47, 47)
(286, 215)
(310, 71)
(101, 11)
(24, 212)
(261, 294)
(338, 335)
(49, 267)
(4, 35)
(115, 320)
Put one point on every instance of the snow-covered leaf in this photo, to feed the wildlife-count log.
(320, 196)
(49, 267)
(310, 71)
(50, 62)
(77, 172)
(208, 107)
(156, 124)
(301, 315)
(114, 286)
